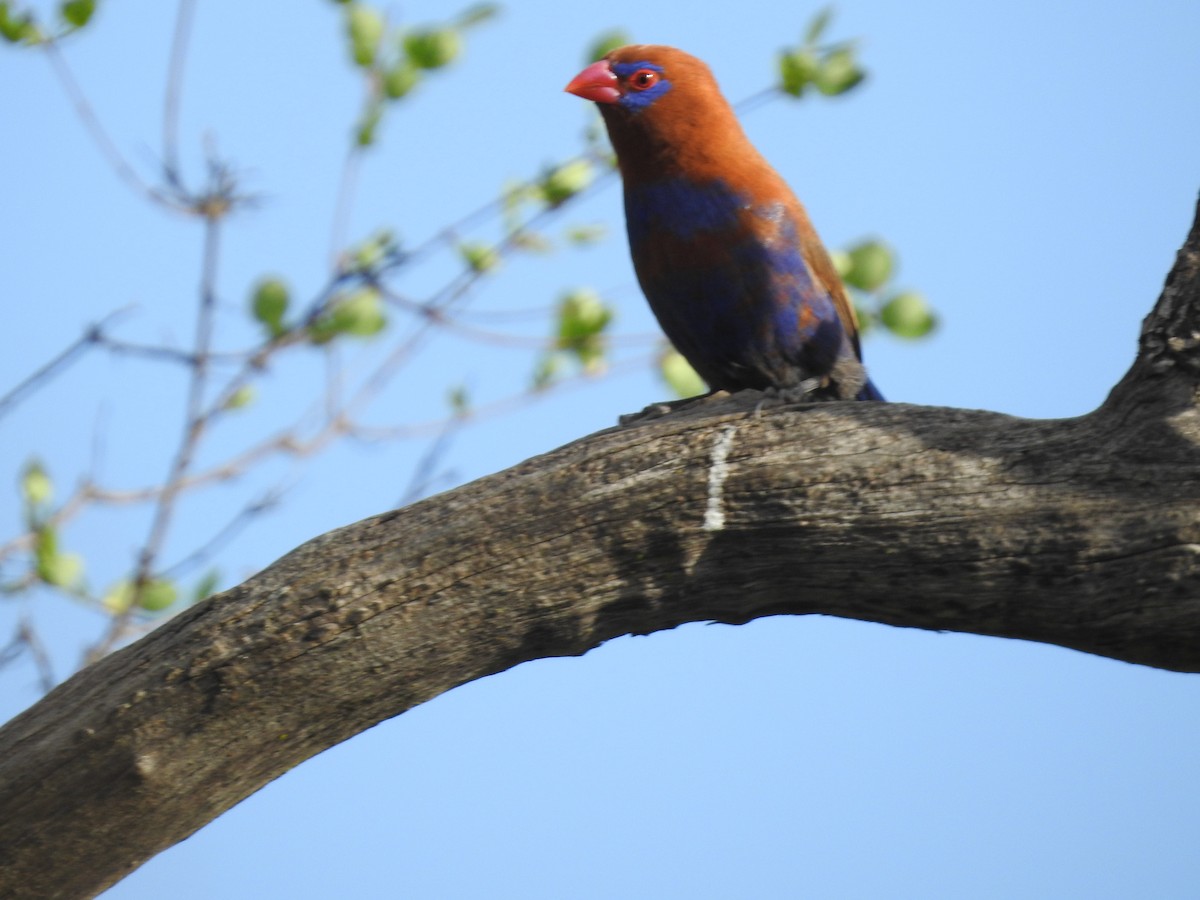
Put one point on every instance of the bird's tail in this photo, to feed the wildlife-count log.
(870, 392)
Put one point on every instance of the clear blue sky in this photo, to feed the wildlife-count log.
(1036, 167)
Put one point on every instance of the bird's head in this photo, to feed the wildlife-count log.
(634, 78)
(662, 107)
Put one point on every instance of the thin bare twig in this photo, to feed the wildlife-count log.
(425, 473)
(227, 532)
(41, 658)
(496, 408)
(24, 639)
(170, 354)
(92, 335)
(344, 204)
(457, 325)
(91, 123)
(749, 104)
(451, 233)
(175, 70)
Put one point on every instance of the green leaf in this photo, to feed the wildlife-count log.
(156, 595)
(839, 73)
(459, 400)
(817, 25)
(866, 320)
(871, 264)
(478, 256)
(547, 370)
(36, 487)
(118, 597)
(679, 375)
(908, 315)
(561, 183)
(364, 27)
(400, 79)
(474, 15)
(531, 241)
(587, 234)
(513, 199)
(582, 314)
(63, 570)
(206, 586)
(606, 42)
(45, 550)
(364, 133)
(17, 27)
(269, 303)
(582, 319)
(432, 48)
(66, 572)
(360, 314)
(373, 251)
(841, 262)
(78, 12)
(797, 70)
(241, 398)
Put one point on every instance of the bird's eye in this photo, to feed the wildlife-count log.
(643, 79)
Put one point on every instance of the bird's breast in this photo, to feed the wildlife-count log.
(728, 281)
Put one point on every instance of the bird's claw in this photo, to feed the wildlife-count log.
(666, 407)
(804, 392)
(653, 411)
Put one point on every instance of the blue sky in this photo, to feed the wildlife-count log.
(1035, 167)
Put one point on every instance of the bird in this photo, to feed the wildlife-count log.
(723, 250)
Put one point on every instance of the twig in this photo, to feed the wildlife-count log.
(457, 325)
(107, 148)
(496, 408)
(754, 101)
(227, 532)
(451, 232)
(175, 70)
(91, 336)
(424, 474)
(343, 204)
(25, 638)
(170, 354)
(41, 659)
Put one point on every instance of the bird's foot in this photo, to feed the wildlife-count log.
(804, 392)
(666, 407)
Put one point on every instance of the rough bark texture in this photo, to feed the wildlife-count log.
(1081, 532)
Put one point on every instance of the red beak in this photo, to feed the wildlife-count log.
(596, 82)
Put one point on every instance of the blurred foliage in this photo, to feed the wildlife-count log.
(679, 375)
(396, 59)
(582, 321)
(605, 42)
(561, 183)
(832, 69)
(867, 269)
(269, 304)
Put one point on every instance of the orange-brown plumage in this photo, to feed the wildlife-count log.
(725, 253)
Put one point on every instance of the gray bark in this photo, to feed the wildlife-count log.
(1079, 532)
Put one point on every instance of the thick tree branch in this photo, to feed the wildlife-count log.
(1080, 532)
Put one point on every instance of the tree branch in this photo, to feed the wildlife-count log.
(1079, 532)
